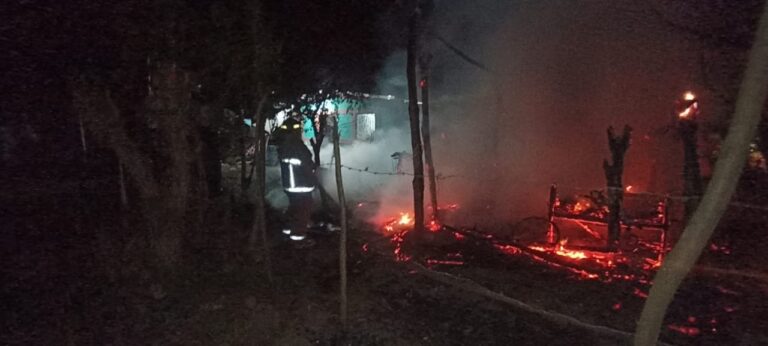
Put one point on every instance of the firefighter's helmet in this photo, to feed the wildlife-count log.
(291, 124)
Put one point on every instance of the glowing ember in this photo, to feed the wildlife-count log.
(434, 226)
(686, 112)
(514, 250)
(562, 251)
(589, 230)
(445, 262)
(570, 253)
(685, 330)
(453, 206)
(640, 293)
(719, 249)
(651, 264)
(629, 188)
(580, 207)
(397, 240)
(693, 105)
(509, 249)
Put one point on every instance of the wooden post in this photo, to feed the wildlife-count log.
(82, 138)
(613, 175)
(259, 228)
(551, 214)
(343, 240)
(414, 34)
(123, 191)
(664, 229)
(424, 63)
(243, 149)
(692, 186)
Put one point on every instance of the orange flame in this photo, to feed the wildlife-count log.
(686, 112)
(580, 207)
(689, 96)
(405, 219)
(396, 224)
(562, 251)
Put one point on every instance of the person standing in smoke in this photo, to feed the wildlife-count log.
(298, 176)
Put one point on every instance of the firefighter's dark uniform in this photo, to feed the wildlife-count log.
(298, 176)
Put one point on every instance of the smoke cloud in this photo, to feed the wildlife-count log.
(561, 72)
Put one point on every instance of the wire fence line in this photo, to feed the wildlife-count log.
(408, 174)
(661, 195)
(41, 186)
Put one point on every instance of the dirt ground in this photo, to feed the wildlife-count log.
(236, 306)
(224, 301)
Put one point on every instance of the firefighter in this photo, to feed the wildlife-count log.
(298, 176)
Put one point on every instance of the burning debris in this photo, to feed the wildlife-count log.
(593, 206)
(402, 223)
(689, 107)
(631, 270)
(690, 331)
(588, 264)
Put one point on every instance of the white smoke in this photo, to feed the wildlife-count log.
(557, 82)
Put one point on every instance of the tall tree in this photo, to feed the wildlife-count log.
(135, 87)
(735, 148)
(242, 77)
(166, 191)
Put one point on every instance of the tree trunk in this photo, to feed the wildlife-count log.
(344, 229)
(414, 33)
(316, 151)
(83, 144)
(243, 166)
(123, 191)
(319, 132)
(720, 189)
(426, 136)
(259, 228)
(259, 108)
(613, 175)
(693, 185)
(211, 159)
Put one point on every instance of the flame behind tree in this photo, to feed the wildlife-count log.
(687, 127)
